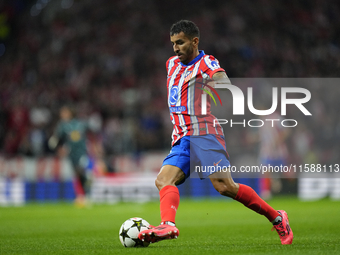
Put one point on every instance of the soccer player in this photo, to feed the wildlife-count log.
(196, 139)
(72, 132)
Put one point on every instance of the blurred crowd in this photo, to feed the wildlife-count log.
(107, 58)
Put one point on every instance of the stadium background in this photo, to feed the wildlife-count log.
(108, 59)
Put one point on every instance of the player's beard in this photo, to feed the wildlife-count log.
(189, 55)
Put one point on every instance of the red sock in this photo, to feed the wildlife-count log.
(169, 198)
(247, 196)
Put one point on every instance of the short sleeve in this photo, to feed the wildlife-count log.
(211, 65)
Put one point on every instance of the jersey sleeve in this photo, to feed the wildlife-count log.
(210, 65)
(170, 63)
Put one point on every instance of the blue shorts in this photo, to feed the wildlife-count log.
(197, 154)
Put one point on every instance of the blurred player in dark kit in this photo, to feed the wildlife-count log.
(72, 133)
(196, 140)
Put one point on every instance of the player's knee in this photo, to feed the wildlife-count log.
(160, 182)
(229, 190)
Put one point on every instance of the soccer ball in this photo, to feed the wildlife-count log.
(128, 232)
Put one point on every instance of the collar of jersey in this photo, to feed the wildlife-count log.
(195, 59)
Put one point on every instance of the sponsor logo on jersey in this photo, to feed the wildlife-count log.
(178, 109)
(173, 98)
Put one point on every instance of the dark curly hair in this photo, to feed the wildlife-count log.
(188, 27)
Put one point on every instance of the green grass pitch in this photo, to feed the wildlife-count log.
(219, 226)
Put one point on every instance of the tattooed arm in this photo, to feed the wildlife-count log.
(219, 76)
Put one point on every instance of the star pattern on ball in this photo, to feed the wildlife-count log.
(138, 242)
(124, 234)
(138, 224)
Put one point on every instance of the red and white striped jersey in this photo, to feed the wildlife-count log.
(184, 96)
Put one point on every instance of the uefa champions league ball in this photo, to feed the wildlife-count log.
(128, 232)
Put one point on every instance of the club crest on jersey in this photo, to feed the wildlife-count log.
(188, 76)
